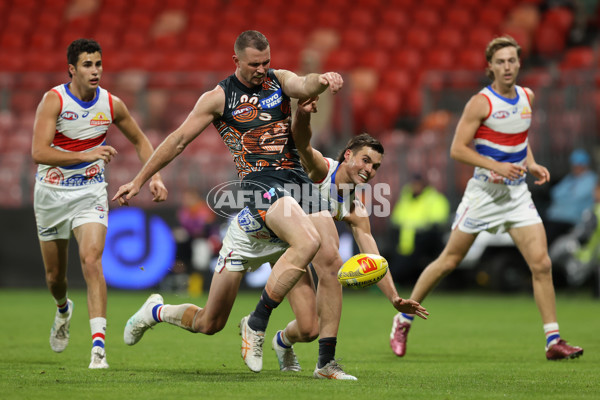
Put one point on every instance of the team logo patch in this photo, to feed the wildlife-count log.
(69, 115)
(247, 222)
(268, 140)
(99, 119)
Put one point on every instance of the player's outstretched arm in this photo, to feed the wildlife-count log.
(208, 107)
(44, 129)
(312, 160)
(311, 85)
(359, 223)
(129, 127)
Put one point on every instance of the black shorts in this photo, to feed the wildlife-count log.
(268, 186)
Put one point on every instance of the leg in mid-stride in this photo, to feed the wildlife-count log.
(531, 242)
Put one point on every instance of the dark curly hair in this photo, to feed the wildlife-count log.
(81, 46)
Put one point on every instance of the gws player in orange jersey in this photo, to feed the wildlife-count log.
(251, 110)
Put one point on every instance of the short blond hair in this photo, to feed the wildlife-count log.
(497, 44)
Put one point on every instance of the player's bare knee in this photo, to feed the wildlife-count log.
(211, 327)
(541, 267)
(306, 248)
(309, 335)
(448, 263)
(54, 278)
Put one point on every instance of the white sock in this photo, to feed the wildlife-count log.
(552, 333)
(172, 314)
(98, 328)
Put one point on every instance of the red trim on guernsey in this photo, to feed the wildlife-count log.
(321, 181)
(67, 143)
(490, 103)
(528, 99)
(60, 98)
(504, 139)
(98, 335)
(112, 110)
(460, 219)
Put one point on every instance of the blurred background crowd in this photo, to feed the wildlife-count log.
(409, 67)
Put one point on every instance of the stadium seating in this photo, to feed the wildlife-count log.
(172, 50)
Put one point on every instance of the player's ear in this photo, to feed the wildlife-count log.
(347, 154)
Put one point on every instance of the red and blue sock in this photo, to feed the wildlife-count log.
(98, 327)
(552, 333)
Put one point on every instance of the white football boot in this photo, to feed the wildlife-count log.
(332, 370)
(252, 345)
(59, 334)
(98, 358)
(285, 356)
(141, 321)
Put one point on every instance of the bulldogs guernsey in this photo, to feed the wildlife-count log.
(81, 126)
(338, 205)
(255, 126)
(503, 134)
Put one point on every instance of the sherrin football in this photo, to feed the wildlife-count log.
(362, 270)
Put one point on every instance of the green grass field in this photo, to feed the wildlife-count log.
(472, 347)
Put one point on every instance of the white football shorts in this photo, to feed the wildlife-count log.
(248, 244)
(495, 208)
(59, 210)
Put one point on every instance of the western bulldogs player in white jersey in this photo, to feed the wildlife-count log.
(69, 144)
(337, 180)
(497, 199)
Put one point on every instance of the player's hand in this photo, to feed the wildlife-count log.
(540, 172)
(409, 306)
(308, 105)
(125, 193)
(510, 171)
(333, 80)
(105, 153)
(158, 190)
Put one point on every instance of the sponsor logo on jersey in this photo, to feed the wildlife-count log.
(526, 113)
(69, 115)
(99, 119)
(272, 101)
(85, 114)
(501, 114)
